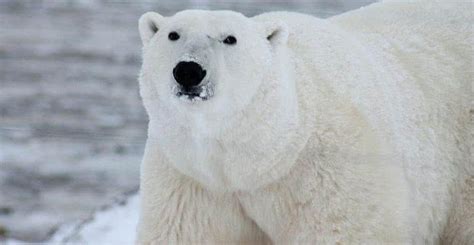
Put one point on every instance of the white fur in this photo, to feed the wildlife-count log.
(354, 129)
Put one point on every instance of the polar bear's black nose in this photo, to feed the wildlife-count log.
(188, 73)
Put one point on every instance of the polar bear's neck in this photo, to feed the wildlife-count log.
(264, 144)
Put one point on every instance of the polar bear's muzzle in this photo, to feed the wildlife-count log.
(189, 76)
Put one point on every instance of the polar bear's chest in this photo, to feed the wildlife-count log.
(240, 158)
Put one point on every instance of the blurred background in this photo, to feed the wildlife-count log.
(72, 126)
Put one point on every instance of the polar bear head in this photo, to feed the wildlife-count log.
(208, 79)
(213, 59)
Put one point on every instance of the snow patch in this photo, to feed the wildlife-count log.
(115, 225)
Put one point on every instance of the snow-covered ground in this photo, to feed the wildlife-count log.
(72, 127)
(115, 225)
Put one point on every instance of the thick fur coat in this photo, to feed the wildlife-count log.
(357, 129)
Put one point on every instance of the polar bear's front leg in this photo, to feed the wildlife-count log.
(176, 209)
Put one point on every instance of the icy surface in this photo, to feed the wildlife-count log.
(72, 127)
(115, 225)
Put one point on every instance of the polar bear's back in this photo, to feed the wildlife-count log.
(449, 20)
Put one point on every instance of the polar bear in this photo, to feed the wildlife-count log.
(286, 128)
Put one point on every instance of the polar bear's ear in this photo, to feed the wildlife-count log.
(276, 32)
(148, 25)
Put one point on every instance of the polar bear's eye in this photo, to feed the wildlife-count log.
(231, 40)
(173, 36)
